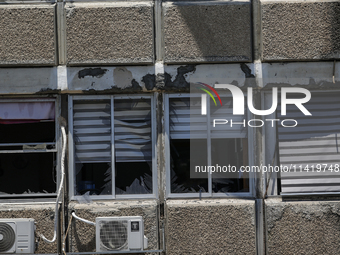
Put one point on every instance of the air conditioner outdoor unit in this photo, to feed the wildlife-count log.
(120, 234)
(17, 236)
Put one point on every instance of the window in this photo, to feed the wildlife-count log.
(28, 148)
(112, 146)
(310, 151)
(193, 142)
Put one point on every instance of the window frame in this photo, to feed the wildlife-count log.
(58, 143)
(275, 180)
(209, 194)
(72, 177)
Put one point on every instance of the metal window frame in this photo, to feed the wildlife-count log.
(208, 194)
(57, 143)
(273, 132)
(72, 177)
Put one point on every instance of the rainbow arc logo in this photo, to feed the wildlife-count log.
(204, 96)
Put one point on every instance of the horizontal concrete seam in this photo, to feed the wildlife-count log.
(242, 2)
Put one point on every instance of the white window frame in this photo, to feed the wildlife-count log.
(57, 143)
(72, 177)
(208, 194)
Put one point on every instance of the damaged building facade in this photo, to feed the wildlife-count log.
(118, 73)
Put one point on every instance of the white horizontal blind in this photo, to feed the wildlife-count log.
(186, 121)
(236, 127)
(132, 130)
(92, 131)
(312, 144)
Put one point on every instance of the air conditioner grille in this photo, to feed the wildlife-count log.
(7, 237)
(114, 234)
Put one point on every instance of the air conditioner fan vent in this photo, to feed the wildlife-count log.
(113, 234)
(7, 237)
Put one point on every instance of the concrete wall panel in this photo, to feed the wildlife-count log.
(28, 80)
(300, 30)
(210, 227)
(116, 79)
(311, 75)
(303, 227)
(109, 33)
(82, 235)
(207, 32)
(179, 77)
(27, 35)
(43, 214)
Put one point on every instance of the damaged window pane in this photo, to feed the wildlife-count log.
(92, 142)
(27, 148)
(194, 142)
(124, 144)
(180, 166)
(133, 178)
(133, 146)
(27, 173)
(229, 152)
(180, 144)
(94, 178)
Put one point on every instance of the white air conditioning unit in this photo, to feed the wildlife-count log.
(120, 234)
(17, 236)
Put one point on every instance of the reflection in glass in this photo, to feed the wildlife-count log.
(180, 165)
(231, 153)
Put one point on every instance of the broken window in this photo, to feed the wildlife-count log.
(27, 147)
(112, 139)
(195, 143)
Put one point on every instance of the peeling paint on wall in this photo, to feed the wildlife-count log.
(180, 82)
(149, 81)
(48, 91)
(123, 79)
(250, 78)
(246, 71)
(94, 72)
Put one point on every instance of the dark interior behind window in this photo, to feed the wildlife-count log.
(229, 152)
(94, 178)
(27, 148)
(27, 173)
(180, 166)
(37, 132)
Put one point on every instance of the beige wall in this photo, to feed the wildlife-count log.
(42, 213)
(28, 35)
(92, 33)
(297, 227)
(215, 32)
(111, 32)
(222, 226)
(300, 30)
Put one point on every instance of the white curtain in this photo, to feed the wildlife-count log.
(27, 111)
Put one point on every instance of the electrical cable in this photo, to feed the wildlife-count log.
(83, 220)
(62, 124)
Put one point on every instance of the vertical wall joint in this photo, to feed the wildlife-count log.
(61, 33)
